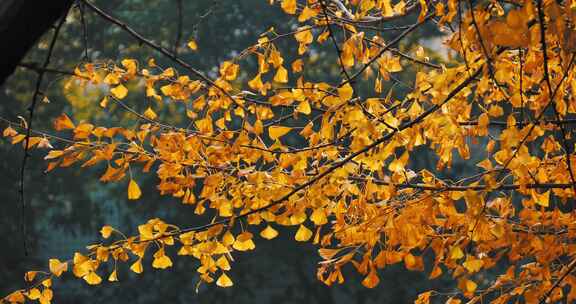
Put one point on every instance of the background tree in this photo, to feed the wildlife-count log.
(326, 124)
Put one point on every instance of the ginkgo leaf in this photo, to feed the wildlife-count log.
(9, 132)
(119, 91)
(542, 199)
(470, 286)
(456, 253)
(289, 6)
(303, 234)
(318, 217)
(30, 275)
(345, 92)
(192, 45)
(92, 278)
(256, 82)
(149, 113)
(137, 266)
(106, 231)
(63, 122)
(297, 65)
(34, 294)
(473, 265)
(223, 263)
(57, 267)
(224, 281)
(162, 262)
(46, 296)
(275, 132)
(134, 192)
(281, 75)
(269, 233)
(304, 107)
(113, 276)
(306, 14)
(372, 280)
(229, 70)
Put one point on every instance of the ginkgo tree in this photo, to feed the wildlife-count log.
(505, 101)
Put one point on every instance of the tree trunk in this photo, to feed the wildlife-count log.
(22, 23)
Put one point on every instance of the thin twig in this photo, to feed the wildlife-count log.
(156, 47)
(179, 8)
(31, 109)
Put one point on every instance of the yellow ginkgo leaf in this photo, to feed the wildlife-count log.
(289, 6)
(92, 278)
(281, 75)
(137, 266)
(473, 265)
(303, 234)
(30, 275)
(456, 253)
(57, 267)
(306, 14)
(63, 122)
(162, 262)
(223, 263)
(134, 192)
(106, 231)
(471, 286)
(542, 199)
(224, 281)
(34, 294)
(193, 45)
(113, 276)
(345, 92)
(269, 233)
(304, 107)
(119, 91)
(9, 132)
(297, 66)
(318, 217)
(244, 245)
(276, 132)
(371, 280)
(150, 114)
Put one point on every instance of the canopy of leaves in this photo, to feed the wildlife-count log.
(308, 128)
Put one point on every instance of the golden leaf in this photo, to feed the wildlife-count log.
(137, 266)
(57, 267)
(150, 114)
(345, 92)
(134, 192)
(113, 276)
(371, 280)
(119, 91)
(542, 199)
(162, 262)
(281, 75)
(304, 107)
(269, 233)
(303, 234)
(106, 231)
(224, 281)
(192, 45)
(92, 278)
(276, 132)
(63, 122)
(223, 263)
(289, 6)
